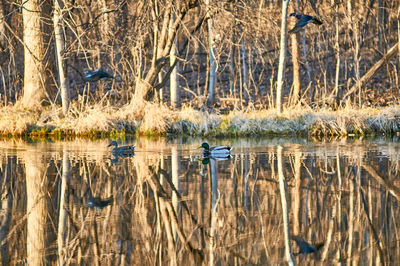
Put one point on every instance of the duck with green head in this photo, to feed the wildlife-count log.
(217, 151)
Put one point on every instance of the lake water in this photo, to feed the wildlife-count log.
(73, 202)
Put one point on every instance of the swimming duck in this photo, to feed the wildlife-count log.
(303, 20)
(95, 75)
(218, 151)
(305, 247)
(122, 151)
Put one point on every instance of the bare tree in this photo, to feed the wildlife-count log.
(211, 54)
(165, 41)
(295, 60)
(282, 56)
(34, 54)
(3, 40)
(245, 80)
(60, 50)
(174, 84)
(337, 46)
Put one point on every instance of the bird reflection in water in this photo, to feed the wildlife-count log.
(206, 160)
(305, 247)
(98, 203)
(115, 157)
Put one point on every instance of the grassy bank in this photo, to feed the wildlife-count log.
(153, 119)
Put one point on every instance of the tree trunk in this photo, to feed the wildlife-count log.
(60, 49)
(337, 74)
(245, 80)
(356, 51)
(165, 41)
(381, 11)
(174, 85)
(308, 69)
(35, 79)
(3, 39)
(296, 65)
(212, 61)
(282, 56)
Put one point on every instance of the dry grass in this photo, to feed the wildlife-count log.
(156, 119)
(16, 121)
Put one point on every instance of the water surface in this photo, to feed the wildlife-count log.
(74, 203)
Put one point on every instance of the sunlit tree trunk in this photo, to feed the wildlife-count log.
(282, 56)
(398, 31)
(174, 84)
(232, 68)
(308, 69)
(245, 80)
(337, 46)
(356, 49)
(37, 209)
(211, 54)
(295, 60)
(60, 49)
(3, 39)
(34, 92)
(381, 26)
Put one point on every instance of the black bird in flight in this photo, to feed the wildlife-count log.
(303, 20)
(99, 203)
(305, 247)
(95, 75)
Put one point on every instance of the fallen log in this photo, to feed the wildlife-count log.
(367, 76)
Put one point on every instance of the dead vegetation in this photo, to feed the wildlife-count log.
(161, 120)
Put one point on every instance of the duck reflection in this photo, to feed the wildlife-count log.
(115, 157)
(206, 160)
(98, 203)
(305, 247)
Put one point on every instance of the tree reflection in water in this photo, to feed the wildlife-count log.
(169, 206)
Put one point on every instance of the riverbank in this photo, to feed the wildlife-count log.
(154, 119)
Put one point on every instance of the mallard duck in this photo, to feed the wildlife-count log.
(122, 151)
(218, 151)
(303, 20)
(305, 247)
(95, 75)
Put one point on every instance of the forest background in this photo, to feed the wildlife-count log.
(198, 67)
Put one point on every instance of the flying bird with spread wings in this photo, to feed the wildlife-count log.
(303, 20)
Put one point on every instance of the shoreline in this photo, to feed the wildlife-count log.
(159, 120)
